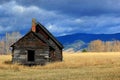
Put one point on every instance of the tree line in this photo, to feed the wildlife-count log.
(93, 46)
(7, 41)
(104, 46)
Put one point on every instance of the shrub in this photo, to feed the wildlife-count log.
(84, 50)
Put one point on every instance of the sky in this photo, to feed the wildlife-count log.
(61, 17)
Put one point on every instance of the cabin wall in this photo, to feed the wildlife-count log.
(30, 42)
(42, 51)
(42, 56)
(21, 56)
(57, 52)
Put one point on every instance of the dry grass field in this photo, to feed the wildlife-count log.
(81, 66)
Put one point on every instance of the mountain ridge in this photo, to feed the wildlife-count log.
(88, 37)
(80, 41)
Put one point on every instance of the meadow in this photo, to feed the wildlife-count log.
(75, 66)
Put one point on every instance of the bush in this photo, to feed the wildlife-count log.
(84, 50)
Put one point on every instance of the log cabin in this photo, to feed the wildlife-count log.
(37, 47)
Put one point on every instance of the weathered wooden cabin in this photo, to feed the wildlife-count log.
(38, 46)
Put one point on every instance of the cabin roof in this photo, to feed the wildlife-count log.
(38, 36)
(50, 35)
(41, 37)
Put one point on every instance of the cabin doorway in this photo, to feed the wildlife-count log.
(51, 54)
(31, 55)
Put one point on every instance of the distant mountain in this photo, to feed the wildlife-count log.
(76, 45)
(88, 37)
(2, 36)
(82, 39)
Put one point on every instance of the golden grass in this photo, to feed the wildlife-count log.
(77, 60)
(80, 66)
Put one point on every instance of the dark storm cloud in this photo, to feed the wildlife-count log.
(61, 17)
(77, 7)
(4, 1)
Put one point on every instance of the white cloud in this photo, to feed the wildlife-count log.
(14, 9)
(5, 29)
(78, 20)
(18, 17)
(58, 29)
(18, 9)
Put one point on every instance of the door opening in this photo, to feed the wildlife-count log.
(52, 54)
(31, 55)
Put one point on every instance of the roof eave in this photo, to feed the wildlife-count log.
(56, 41)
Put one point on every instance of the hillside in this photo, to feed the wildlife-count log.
(82, 39)
(88, 37)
